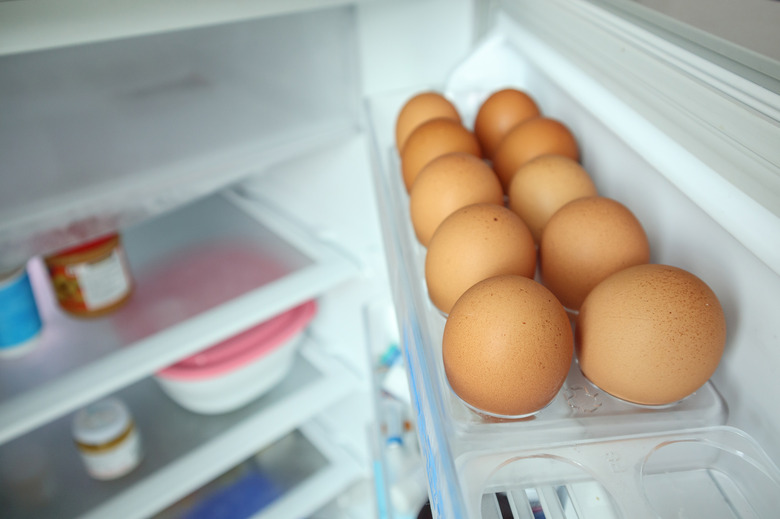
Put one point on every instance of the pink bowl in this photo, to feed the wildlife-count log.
(244, 348)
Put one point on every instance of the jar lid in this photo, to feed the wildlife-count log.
(97, 242)
(241, 349)
(101, 422)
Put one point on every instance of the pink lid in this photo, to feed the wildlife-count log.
(242, 349)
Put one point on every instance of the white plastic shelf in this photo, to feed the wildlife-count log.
(182, 450)
(29, 26)
(203, 273)
(101, 136)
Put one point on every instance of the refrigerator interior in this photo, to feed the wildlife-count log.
(213, 171)
(276, 132)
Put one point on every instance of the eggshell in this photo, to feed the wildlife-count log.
(545, 184)
(499, 113)
(530, 139)
(474, 243)
(420, 108)
(650, 334)
(432, 139)
(446, 184)
(507, 346)
(585, 241)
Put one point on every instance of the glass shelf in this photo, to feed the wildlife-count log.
(182, 450)
(203, 273)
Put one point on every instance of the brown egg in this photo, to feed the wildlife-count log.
(650, 334)
(529, 139)
(474, 243)
(420, 108)
(507, 346)
(499, 113)
(585, 241)
(545, 184)
(445, 185)
(432, 139)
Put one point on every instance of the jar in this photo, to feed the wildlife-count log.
(20, 322)
(91, 279)
(107, 439)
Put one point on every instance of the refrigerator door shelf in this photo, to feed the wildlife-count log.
(182, 450)
(203, 273)
(454, 440)
(710, 472)
(579, 410)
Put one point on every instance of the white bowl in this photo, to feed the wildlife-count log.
(238, 370)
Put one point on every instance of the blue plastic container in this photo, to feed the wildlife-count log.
(20, 322)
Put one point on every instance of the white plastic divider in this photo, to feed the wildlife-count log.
(79, 361)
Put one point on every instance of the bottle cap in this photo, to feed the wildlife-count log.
(101, 422)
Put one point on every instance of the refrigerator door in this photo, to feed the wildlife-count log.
(691, 149)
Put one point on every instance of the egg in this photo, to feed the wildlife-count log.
(432, 139)
(446, 184)
(507, 346)
(499, 113)
(650, 334)
(545, 184)
(422, 107)
(530, 139)
(474, 243)
(585, 241)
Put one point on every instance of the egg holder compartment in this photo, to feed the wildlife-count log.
(587, 454)
(713, 472)
(579, 410)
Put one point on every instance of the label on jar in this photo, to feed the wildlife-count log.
(102, 282)
(115, 460)
(92, 285)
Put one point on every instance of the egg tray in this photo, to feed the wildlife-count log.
(580, 409)
(587, 454)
